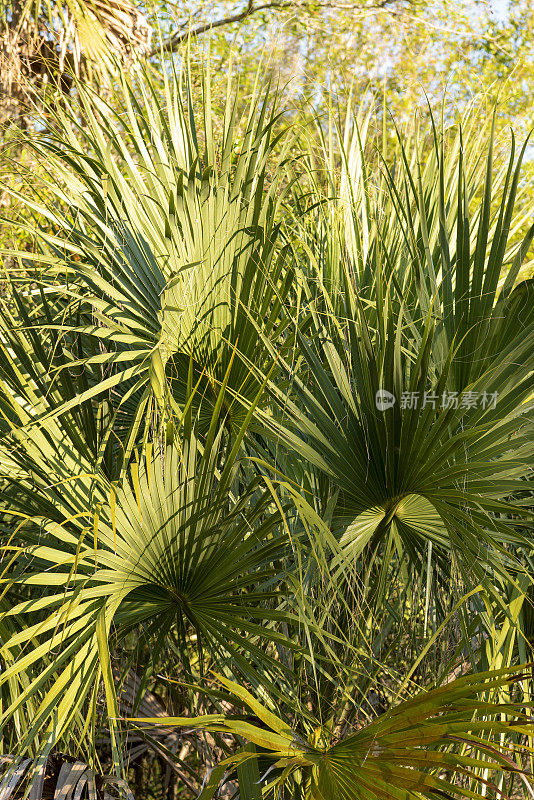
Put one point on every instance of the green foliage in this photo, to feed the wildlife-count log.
(197, 474)
(385, 759)
(174, 247)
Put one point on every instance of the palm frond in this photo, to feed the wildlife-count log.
(399, 755)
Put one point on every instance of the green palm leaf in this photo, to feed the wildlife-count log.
(440, 465)
(402, 754)
(169, 249)
(170, 549)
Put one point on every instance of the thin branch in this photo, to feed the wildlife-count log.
(172, 42)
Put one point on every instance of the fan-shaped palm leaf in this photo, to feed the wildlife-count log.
(400, 755)
(439, 463)
(169, 251)
(170, 549)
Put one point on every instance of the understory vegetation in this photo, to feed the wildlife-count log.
(266, 447)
